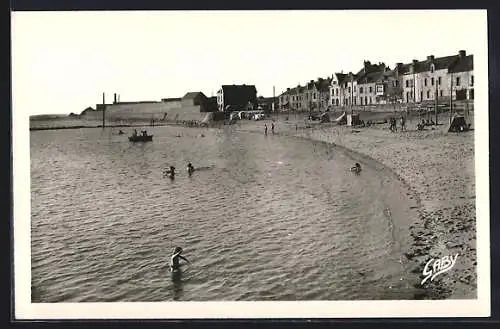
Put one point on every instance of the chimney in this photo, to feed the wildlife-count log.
(461, 53)
(430, 57)
(114, 98)
(399, 64)
(287, 89)
(414, 61)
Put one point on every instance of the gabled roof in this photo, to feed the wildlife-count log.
(193, 95)
(371, 77)
(170, 99)
(462, 64)
(370, 72)
(323, 85)
(340, 77)
(88, 109)
(402, 68)
(453, 63)
(238, 87)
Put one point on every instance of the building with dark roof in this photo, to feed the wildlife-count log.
(441, 78)
(237, 97)
(313, 96)
(343, 89)
(196, 98)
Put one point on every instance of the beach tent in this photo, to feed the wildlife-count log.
(342, 119)
(458, 124)
(324, 118)
(208, 118)
(353, 120)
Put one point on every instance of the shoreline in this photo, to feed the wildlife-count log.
(444, 202)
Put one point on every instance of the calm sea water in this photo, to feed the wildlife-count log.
(265, 218)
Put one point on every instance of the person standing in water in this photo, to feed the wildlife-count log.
(175, 259)
(190, 168)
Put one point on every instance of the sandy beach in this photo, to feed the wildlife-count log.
(436, 167)
(438, 170)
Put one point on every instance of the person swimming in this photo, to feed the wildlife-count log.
(190, 168)
(170, 172)
(175, 259)
(356, 168)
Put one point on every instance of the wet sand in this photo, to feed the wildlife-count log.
(438, 170)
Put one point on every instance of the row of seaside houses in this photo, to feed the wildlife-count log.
(418, 82)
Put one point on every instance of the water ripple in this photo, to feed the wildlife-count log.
(266, 219)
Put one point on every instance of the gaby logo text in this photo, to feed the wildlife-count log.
(436, 266)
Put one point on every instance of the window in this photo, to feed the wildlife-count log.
(366, 100)
(354, 88)
(458, 81)
(370, 89)
(360, 90)
(425, 82)
(361, 101)
(432, 68)
(349, 89)
(314, 95)
(370, 99)
(439, 81)
(354, 101)
(472, 80)
(337, 91)
(407, 83)
(407, 95)
(441, 93)
(428, 94)
(432, 81)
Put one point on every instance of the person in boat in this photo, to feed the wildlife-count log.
(175, 259)
(356, 168)
(120, 132)
(144, 133)
(135, 133)
(190, 168)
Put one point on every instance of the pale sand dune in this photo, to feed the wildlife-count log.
(438, 169)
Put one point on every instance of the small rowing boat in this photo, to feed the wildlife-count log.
(141, 138)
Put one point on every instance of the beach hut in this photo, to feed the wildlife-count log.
(324, 118)
(458, 124)
(353, 120)
(342, 119)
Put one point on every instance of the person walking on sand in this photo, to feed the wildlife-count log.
(403, 123)
(272, 127)
(265, 129)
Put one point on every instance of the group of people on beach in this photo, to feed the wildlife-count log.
(392, 124)
(272, 128)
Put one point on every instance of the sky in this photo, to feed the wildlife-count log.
(62, 62)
